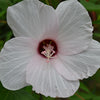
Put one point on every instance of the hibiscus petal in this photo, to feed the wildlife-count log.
(31, 18)
(81, 65)
(75, 29)
(47, 81)
(14, 58)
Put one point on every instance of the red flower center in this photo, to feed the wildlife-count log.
(47, 48)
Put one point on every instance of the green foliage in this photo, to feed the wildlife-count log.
(53, 3)
(84, 87)
(4, 4)
(96, 98)
(16, 95)
(48, 98)
(91, 6)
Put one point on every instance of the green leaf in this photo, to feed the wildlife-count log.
(1, 44)
(48, 98)
(90, 6)
(16, 1)
(8, 36)
(28, 89)
(96, 98)
(15, 95)
(84, 87)
(2, 13)
(4, 4)
(86, 96)
(96, 35)
(74, 97)
(96, 22)
(55, 3)
(36, 96)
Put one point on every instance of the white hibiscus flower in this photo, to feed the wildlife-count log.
(52, 49)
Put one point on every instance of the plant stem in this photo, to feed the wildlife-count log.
(79, 96)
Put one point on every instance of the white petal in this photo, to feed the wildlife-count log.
(47, 81)
(81, 65)
(14, 58)
(75, 30)
(48, 20)
(31, 18)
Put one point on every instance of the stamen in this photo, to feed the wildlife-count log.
(47, 48)
(48, 51)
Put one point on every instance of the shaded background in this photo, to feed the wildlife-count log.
(89, 88)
